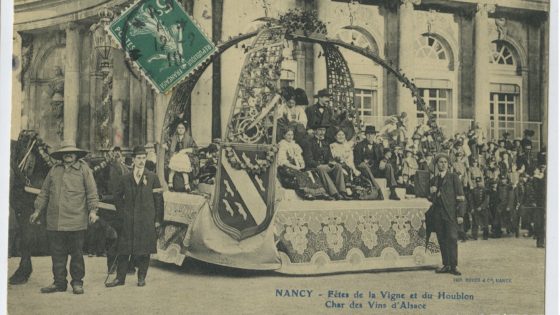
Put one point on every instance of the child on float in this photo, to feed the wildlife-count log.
(180, 162)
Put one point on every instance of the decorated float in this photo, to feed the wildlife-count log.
(246, 219)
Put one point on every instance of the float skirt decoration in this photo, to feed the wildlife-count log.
(353, 236)
(305, 237)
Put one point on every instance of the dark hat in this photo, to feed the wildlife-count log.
(385, 150)
(478, 179)
(288, 92)
(529, 132)
(506, 134)
(68, 146)
(370, 130)
(301, 97)
(324, 126)
(440, 156)
(139, 150)
(323, 93)
(117, 149)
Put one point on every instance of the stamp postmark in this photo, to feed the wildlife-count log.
(162, 41)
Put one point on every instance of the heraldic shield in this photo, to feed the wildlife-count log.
(244, 200)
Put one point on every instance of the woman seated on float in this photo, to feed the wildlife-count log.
(291, 169)
(181, 150)
(343, 153)
(291, 115)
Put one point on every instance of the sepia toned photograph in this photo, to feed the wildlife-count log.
(280, 157)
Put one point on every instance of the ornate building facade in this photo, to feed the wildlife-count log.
(473, 60)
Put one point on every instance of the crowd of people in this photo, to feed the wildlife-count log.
(504, 180)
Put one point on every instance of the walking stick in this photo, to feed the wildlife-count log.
(112, 268)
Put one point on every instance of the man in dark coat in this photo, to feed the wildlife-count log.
(368, 151)
(385, 169)
(317, 155)
(321, 113)
(479, 207)
(138, 203)
(539, 217)
(446, 213)
(117, 169)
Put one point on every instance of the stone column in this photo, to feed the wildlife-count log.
(150, 118)
(72, 81)
(545, 87)
(405, 102)
(16, 87)
(481, 66)
(121, 93)
(299, 55)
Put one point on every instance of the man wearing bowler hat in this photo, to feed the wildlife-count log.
(70, 196)
(446, 214)
(320, 113)
(139, 207)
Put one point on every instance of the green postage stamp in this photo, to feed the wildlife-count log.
(162, 40)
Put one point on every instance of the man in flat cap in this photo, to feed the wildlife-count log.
(69, 195)
(446, 214)
(139, 206)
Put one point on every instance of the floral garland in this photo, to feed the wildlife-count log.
(104, 112)
(259, 166)
(297, 20)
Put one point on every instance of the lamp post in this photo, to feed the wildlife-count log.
(101, 41)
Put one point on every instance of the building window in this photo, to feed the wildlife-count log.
(287, 78)
(358, 37)
(366, 103)
(502, 114)
(428, 47)
(501, 54)
(439, 101)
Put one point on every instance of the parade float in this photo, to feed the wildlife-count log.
(245, 218)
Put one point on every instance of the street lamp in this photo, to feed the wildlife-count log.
(101, 40)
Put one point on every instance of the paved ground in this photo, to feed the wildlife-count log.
(199, 288)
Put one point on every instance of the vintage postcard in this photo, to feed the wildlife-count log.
(280, 157)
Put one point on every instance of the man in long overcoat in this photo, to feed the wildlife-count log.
(139, 206)
(69, 196)
(446, 213)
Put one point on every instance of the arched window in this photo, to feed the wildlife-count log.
(434, 75)
(505, 87)
(501, 54)
(358, 37)
(430, 48)
(365, 73)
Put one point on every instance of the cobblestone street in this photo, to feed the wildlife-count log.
(510, 271)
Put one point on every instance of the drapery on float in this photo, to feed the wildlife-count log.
(250, 221)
